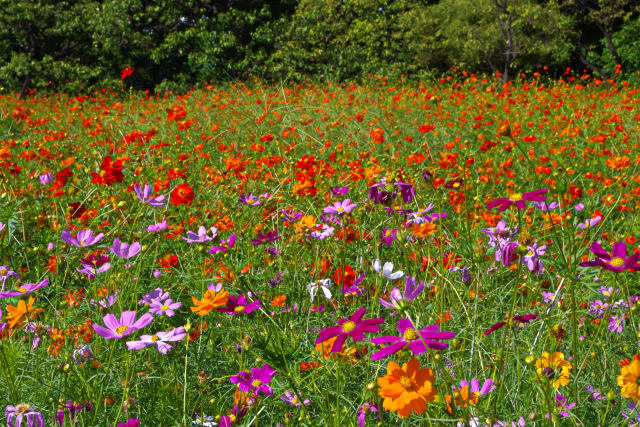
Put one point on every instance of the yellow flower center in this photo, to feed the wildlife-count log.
(410, 334)
(340, 209)
(164, 308)
(3, 272)
(23, 408)
(617, 262)
(256, 383)
(406, 382)
(239, 308)
(22, 290)
(81, 243)
(294, 400)
(515, 197)
(121, 329)
(348, 326)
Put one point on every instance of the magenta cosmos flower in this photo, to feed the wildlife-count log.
(225, 245)
(339, 208)
(257, 381)
(160, 339)
(24, 289)
(525, 318)
(617, 261)
(518, 199)
(401, 301)
(126, 325)
(418, 341)
(353, 327)
(84, 238)
(239, 304)
(125, 250)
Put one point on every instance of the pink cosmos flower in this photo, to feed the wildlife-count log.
(24, 289)
(339, 208)
(160, 339)
(84, 238)
(257, 381)
(615, 262)
(418, 341)
(353, 327)
(126, 325)
(518, 199)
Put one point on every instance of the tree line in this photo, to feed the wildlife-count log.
(80, 45)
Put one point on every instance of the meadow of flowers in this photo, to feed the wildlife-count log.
(461, 252)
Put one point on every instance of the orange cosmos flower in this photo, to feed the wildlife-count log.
(210, 300)
(182, 195)
(628, 379)
(21, 312)
(424, 230)
(408, 389)
(554, 368)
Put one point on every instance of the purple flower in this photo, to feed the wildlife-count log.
(590, 222)
(544, 207)
(73, 408)
(160, 339)
(5, 273)
(593, 393)
(400, 302)
(498, 232)
(84, 238)
(631, 414)
(23, 415)
(339, 191)
(124, 250)
(93, 265)
(390, 192)
(81, 354)
(418, 341)
(2, 325)
(364, 409)
(389, 236)
(518, 199)
(531, 258)
(563, 406)
(158, 227)
(143, 195)
(615, 262)
(37, 329)
(156, 294)
(526, 318)
(324, 233)
(353, 327)
(24, 289)
(256, 382)
(289, 216)
(46, 178)
(126, 325)
(201, 236)
(339, 208)
(106, 302)
(294, 399)
(239, 304)
(131, 422)
(597, 308)
(164, 308)
(616, 324)
(251, 200)
(225, 245)
(262, 239)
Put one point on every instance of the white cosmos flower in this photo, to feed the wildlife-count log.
(387, 270)
(320, 285)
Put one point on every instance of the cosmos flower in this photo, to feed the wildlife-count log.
(5, 273)
(143, 194)
(126, 325)
(339, 208)
(93, 265)
(210, 300)
(389, 236)
(23, 415)
(617, 261)
(387, 270)
(160, 339)
(46, 178)
(629, 378)
(202, 235)
(469, 393)
(84, 238)
(500, 231)
(526, 318)
(239, 304)
(158, 227)
(156, 294)
(225, 245)
(266, 238)
(323, 285)
(256, 382)
(417, 341)
(408, 389)
(124, 250)
(251, 200)
(294, 399)
(518, 199)
(353, 327)
(401, 302)
(590, 222)
(554, 368)
(24, 289)
(364, 409)
(164, 308)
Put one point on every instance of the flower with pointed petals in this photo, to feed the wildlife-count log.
(389, 236)
(353, 327)
(339, 191)
(125, 250)
(118, 328)
(251, 200)
(518, 199)
(256, 382)
(468, 394)
(143, 194)
(106, 302)
(615, 262)
(418, 341)
(407, 389)
(164, 308)
(266, 238)
(239, 304)
(590, 222)
(339, 208)
(294, 399)
(156, 294)
(93, 265)
(211, 299)
(153, 228)
(498, 233)
(387, 270)
(24, 289)
(520, 320)
(84, 238)
(160, 339)
(323, 285)
(400, 302)
(202, 235)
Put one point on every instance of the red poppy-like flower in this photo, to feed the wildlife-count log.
(126, 72)
(182, 195)
(110, 172)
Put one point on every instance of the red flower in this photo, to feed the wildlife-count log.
(182, 195)
(126, 72)
(345, 276)
(110, 172)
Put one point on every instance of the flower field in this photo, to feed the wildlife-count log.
(461, 252)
